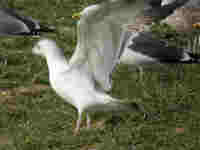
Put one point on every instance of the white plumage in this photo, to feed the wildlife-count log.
(97, 52)
(74, 83)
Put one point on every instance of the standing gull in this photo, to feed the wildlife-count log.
(11, 23)
(84, 79)
(75, 83)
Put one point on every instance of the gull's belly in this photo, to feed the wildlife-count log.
(72, 87)
(62, 91)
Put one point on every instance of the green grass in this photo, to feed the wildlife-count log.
(33, 117)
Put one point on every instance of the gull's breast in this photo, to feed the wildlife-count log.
(72, 86)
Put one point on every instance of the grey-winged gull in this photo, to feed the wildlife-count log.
(75, 83)
(145, 48)
(11, 23)
(83, 80)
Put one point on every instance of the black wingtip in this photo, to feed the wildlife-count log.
(42, 29)
(36, 32)
(46, 29)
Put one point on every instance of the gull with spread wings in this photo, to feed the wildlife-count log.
(84, 80)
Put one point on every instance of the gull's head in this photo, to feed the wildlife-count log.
(92, 9)
(45, 47)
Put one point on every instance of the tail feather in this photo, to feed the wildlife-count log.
(125, 107)
(106, 103)
(38, 31)
(45, 29)
(119, 106)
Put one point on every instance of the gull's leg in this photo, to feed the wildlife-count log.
(88, 121)
(78, 123)
(141, 74)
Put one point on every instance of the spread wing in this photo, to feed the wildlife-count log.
(100, 29)
(101, 36)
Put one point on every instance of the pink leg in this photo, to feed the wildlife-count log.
(78, 123)
(88, 121)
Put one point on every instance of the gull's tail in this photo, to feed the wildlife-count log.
(126, 107)
(108, 103)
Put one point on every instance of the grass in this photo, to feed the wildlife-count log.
(33, 117)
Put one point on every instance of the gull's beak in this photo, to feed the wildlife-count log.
(196, 25)
(76, 16)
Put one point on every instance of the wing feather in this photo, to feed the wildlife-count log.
(99, 36)
(100, 31)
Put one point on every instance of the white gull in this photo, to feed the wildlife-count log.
(75, 83)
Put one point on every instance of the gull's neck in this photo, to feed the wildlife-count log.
(56, 62)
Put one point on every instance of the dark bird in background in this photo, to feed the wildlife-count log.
(143, 48)
(158, 11)
(186, 17)
(11, 23)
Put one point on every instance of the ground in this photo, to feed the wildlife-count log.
(33, 117)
